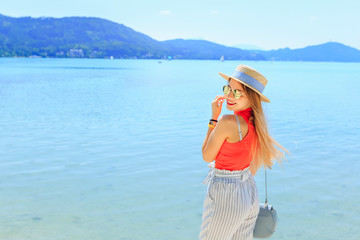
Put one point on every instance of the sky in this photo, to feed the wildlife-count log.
(265, 24)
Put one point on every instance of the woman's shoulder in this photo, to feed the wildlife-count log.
(226, 124)
(227, 118)
(228, 121)
(230, 126)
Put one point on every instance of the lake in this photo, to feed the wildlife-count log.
(111, 149)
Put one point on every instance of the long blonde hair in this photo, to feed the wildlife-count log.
(264, 148)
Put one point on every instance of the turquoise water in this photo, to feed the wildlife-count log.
(111, 149)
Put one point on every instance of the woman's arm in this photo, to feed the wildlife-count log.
(253, 167)
(215, 138)
(210, 129)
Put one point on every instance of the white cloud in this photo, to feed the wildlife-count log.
(313, 18)
(214, 12)
(165, 12)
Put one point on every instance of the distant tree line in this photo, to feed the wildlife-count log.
(89, 37)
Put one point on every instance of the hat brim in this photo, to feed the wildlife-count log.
(263, 98)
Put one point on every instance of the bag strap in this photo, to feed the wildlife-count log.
(266, 201)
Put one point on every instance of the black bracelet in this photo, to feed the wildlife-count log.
(213, 120)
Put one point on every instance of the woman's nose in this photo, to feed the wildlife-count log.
(231, 94)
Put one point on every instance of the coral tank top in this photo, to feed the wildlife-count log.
(237, 156)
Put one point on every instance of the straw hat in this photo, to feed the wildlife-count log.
(249, 77)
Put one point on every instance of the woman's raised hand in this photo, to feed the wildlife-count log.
(216, 106)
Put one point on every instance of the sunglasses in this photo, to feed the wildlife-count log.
(227, 89)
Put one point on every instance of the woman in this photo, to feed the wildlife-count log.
(239, 144)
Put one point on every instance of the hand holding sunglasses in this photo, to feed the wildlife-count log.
(216, 106)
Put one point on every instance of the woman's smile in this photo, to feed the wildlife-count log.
(230, 103)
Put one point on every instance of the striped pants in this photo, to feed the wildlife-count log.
(231, 205)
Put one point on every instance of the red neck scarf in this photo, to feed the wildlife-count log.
(246, 113)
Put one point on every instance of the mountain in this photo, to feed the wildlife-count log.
(330, 51)
(248, 46)
(55, 37)
(92, 37)
(201, 49)
(95, 37)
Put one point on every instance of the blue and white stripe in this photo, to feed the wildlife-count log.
(231, 205)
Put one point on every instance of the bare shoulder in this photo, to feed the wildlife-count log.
(230, 126)
(226, 122)
(227, 119)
